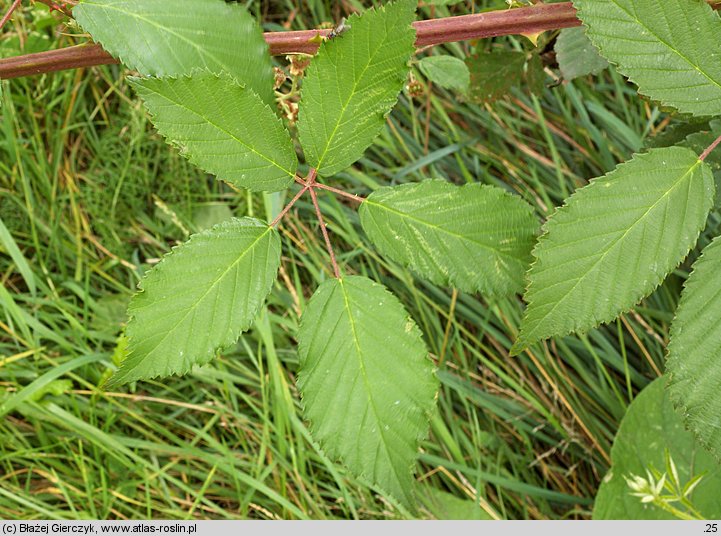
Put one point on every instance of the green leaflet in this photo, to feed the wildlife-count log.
(156, 39)
(352, 84)
(614, 241)
(366, 381)
(223, 128)
(669, 48)
(446, 71)
(649, 429)
(694, 363)
(576, 55)
(493, 74)
(199, 298)
(475, 237)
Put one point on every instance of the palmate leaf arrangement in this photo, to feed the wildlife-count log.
(366, 380)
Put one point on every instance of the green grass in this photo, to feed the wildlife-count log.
(91, 197)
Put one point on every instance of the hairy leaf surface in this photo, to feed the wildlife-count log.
(493, 74)
(670, 49)
(576, 55)
(650, 428)
(615, 241)
(694, 352)
(200, 297)
(477, 238)
(446, 71)
(352, 84)
(223, 128)
(366, 381)
(158, 39)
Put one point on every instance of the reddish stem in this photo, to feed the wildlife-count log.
(62, 8)
(54, 60)
(288, 207)
(354, 197)
(9, 13)
(312, 175)
(525, 20)
(709, 149)
(314, 196)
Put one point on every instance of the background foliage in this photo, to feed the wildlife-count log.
(90, 197)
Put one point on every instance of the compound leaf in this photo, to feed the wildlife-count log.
(576, 55)
(477, 238)
(446, 71)
(155, 39)
(693, 352)
(669, 49)
(352, 84)
(223, 128)
(615, 241)
(649, 431)
(366, 381)
(200, 297)
(493, 74)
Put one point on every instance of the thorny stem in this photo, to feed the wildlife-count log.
(9, 13)
(525, 20)
(709, 149)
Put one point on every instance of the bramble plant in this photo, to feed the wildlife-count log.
(615, 240)
(367, 383)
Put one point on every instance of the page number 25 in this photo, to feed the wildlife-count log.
(711, 527)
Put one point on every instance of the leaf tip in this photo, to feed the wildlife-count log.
(115, 381)
(517, 347)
